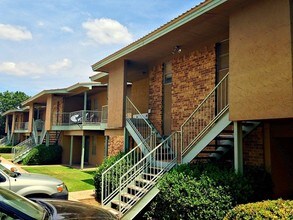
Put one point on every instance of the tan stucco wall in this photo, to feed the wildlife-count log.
(116, 95)
(101, 98)
(139, 94)
(97, 159)
(48, 113)
(261, 61)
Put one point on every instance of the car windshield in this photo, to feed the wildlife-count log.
(21, 204)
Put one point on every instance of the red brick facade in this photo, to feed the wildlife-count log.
(193, 79)
(156, 96)
(253, 148)
(115, 145)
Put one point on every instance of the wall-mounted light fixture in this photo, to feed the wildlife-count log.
(176, 49)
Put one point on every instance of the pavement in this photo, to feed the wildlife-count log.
(86, 196)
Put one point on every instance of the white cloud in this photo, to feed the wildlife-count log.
(41, 24)
(14, 33)
(60, 65)
(21, 69)
(107, 31)
(66, 29)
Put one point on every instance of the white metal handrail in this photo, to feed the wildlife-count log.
(3, 140)
(85, 117)
(23, 147)
(21, 126)
(156, 162)
(204, 116)
(104, 113)
(140, 125)
(111, 176)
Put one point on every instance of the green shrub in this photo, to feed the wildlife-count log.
(103, 167)
(198, 191)
(270, 209)
(5, 149)
(42, 155)
(261, 182)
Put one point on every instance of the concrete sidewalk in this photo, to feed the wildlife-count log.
(18, 167)
(81, 195)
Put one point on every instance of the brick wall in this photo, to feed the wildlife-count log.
(193, 79)
(253, 148)
(115, 145)
(55, 101)
(156, 96)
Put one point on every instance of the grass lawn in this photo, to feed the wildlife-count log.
(7, 156)
(75, 180)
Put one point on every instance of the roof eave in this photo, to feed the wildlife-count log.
(170, 26)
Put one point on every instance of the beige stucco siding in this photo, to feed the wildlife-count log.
(261, 61)
(116, 94)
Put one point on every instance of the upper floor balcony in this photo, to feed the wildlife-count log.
(80, 120)
(21, 127)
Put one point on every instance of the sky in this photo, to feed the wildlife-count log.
(48, 44)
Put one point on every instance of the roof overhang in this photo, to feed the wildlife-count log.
(20, 110)
(158, 34)
(42, 96)
(100, 77)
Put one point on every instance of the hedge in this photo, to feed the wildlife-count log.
(200, 191)
(5, 149)
(43, 155)
(103, 167)
(270, 209)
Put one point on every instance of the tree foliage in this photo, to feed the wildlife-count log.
(10, 100)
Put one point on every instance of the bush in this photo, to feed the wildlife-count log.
(270, 209)
(261, 182)
(198, 191)
(5, 149)
(103, 167)
(43, 155)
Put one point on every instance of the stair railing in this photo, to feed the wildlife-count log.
(3, 140)
(23, 147)
(111, 176)
(205, 115)
(157, 162)
(9, 136)
(140, 125)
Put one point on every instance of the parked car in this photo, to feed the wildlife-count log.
(13, 206)
(9, 166)
(32, 185)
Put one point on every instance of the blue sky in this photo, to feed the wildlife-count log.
(46, 44)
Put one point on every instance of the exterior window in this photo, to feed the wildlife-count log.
(94, 147)
(167, 73)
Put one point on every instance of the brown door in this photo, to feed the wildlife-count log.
(167, 99)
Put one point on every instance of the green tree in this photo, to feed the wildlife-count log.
(9, 100)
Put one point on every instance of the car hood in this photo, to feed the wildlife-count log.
(38, 177)
(78, 210)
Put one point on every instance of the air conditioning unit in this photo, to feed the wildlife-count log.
(144, 115)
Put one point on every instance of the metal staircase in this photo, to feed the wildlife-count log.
(53, 137)
(3, 140)
(22, 149)
(206, 134)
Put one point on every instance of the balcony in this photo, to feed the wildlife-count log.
(80, 120)
(21, 127)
